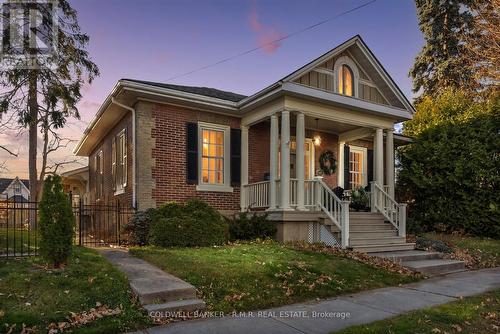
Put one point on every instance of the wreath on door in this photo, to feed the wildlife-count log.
(327, 162)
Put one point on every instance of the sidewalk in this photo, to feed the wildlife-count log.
(364, 307)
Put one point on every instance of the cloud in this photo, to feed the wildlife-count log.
(266, 34)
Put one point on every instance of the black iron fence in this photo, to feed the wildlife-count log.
(97, 225)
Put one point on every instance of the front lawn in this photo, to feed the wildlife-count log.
(35, 296)
(477, 252)
(17, 240)
(243, 277)
(478, 314)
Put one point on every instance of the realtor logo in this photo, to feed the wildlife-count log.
(28, 34)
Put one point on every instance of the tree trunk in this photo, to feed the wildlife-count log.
(33, 134)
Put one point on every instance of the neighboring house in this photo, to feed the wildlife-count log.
(76, 182)
(151, 143)
(14, 189)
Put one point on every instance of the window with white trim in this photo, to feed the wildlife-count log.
(345, 80)
(213, 157)
(119, 161)
(17, 188)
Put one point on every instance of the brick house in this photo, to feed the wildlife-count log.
(151, 143)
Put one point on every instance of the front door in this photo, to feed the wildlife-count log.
(357, 167)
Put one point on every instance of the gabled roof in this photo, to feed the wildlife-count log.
(5, 183)
(205, 91)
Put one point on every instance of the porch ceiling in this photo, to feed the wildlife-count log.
(328, 126)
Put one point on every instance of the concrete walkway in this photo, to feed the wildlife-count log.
(337, 313)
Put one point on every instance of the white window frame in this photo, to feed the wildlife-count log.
(364, 153)
(226, 186)
(99, 173)
(344, 60)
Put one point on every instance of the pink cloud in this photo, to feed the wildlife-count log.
(267, 36)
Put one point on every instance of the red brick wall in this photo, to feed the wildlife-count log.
(330, 142)
(169, 153)
(105, 145)
(258, 151)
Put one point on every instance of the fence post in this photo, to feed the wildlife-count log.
(80, 222)
(118, 218)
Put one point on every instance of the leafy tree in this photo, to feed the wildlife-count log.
(450, 176)
(449, 107)
(56, 223)
(442, 62)
(44, 97)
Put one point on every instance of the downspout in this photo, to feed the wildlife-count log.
(113, 100)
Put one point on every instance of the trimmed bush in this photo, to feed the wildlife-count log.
(249, 227)
(187, 225)
(136, 231)
(436, 245)
(56, 223)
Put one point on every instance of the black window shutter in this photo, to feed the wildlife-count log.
(192, 153)
(235, 156)
(347, 184)
(370, 166)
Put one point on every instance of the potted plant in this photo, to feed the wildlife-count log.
(359, 199)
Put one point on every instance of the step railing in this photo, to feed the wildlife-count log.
(336, 209)
(256, 195)
(393, 211)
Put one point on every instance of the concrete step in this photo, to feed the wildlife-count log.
(372, 233)
(374, 215)
(434, 266)
(187, 305)
(354, 241)
(153, 292)
(371, 227)
(408, 255)
(384, 248)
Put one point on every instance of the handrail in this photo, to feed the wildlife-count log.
(336, 209)
(257, 195)
(393, 211)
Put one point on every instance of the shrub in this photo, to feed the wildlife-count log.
(136, 231)
(186, 225)
(449, 176)
(56, 223)
(249, 227)
(359, 199)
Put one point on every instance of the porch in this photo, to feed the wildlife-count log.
(303, 202)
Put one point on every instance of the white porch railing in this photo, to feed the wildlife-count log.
(334, 208)
(394, 212)
(257, 195)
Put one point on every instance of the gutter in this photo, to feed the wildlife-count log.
(114, 101)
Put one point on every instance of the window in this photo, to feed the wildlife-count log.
(17, 188)
(345, 80)
(357, 167)
(308, 159)
(99, 175)
(119, 161)
(213, 157)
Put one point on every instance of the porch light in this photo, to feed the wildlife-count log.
(317, 140)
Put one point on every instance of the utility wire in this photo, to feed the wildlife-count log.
(273, 42)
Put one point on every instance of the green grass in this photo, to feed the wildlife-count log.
(486, 250)
(245, 277)
(478, 314)
(37, 297)
(17, 240)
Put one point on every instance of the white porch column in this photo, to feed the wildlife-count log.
(379, 156)
(273, 160)
(300, 136)
(389, 161)
(285, 161)
(244, 167)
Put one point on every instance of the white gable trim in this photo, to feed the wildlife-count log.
(12, 183)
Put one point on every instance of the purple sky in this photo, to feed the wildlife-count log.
(156, 40)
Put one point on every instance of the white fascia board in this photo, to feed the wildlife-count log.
(346, 101)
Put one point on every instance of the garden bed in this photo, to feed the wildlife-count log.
(257, 275)
(89, 290)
